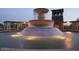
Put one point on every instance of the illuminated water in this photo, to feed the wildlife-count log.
(7, 42)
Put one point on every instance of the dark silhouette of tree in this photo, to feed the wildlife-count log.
(1, 25)
(77, 19)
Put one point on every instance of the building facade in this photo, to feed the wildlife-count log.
(74, 26)
(14, 25)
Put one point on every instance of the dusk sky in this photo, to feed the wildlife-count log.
(26, 14)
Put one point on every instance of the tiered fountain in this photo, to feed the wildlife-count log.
(41, 34)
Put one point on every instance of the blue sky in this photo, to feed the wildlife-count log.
(26, 14)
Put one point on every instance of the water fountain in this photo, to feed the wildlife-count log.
(41, 34)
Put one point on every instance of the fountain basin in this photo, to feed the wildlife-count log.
(41, 23)
(41, 38)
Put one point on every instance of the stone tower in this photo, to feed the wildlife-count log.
(57, 16)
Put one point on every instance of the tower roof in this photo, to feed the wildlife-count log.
(58, 10)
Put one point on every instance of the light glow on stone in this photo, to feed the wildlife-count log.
(16, 35)
(30, 38)
(59, 37)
